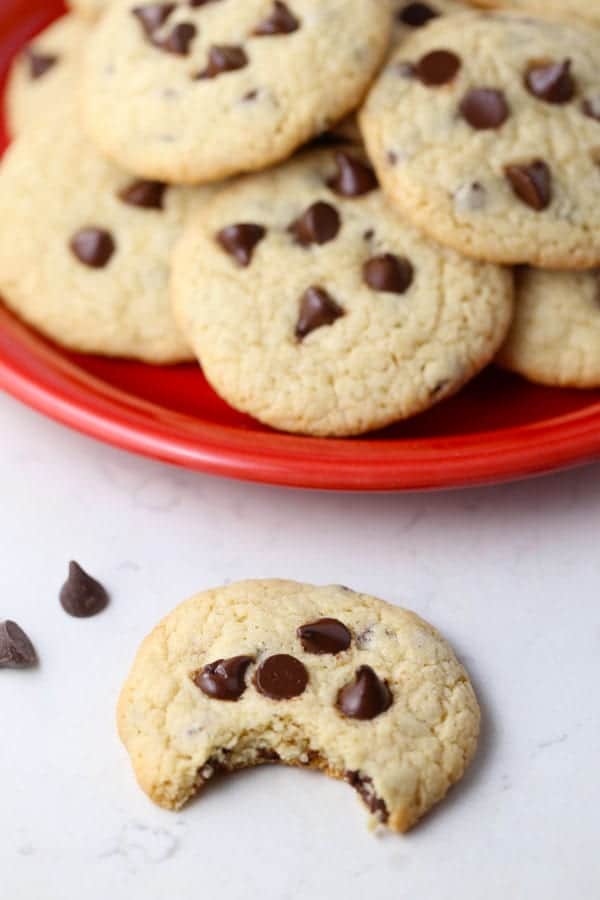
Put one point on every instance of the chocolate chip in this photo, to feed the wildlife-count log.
(354, 178)
(591, 107)
(16, 650)
(437, 68)
(366, 697)
(484, 108)
(241, 240)
(145, 194)
(532, 183)
(417, 14)
(325, 636)
(81, 595)
(551, 82)
(93, 247)
(152, 15)
(364, 786)
(223, 58)
(179, 40)
(224, 679)
(40, 63)
(393, 274)
(317, 308)
(318, 225)
(281, 677)
(281, 21)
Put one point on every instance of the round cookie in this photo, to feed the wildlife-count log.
(86, 257)
(45, 72)
(321, 677)
(485, 132)
(316, 309)
(555, 336)
(88, 9)
(586, 9)
(192, 94)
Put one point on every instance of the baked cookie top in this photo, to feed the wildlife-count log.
(587, 9)
(555, 336)
(45, 73)
(410, 15)
(484, 129)
(86, 257)
(88, 9)
(193, 92)
(265, 671)
(315, 308)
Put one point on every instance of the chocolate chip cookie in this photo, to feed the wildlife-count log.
(485, 132)
(193, 92)
(86, 257)
(324, 678)
(555, 337)
(410, 15)
(45, 72)
(586, 9)
(316, 309)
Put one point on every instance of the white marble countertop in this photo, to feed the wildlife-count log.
(511, 575)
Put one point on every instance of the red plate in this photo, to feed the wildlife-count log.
(499, 428)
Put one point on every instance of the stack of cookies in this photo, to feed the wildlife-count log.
(322, 201)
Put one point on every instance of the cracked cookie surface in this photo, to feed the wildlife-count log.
(194, 93)
(484, 129)
(314, 308)
(213, 689)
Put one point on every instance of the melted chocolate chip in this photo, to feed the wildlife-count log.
(223, 58)
(40, 63)
(318, 225)
(366, 697)
(16, 650)
(317, 308)
(81, 595)
(224, 679)
(417, 14)
(591, 107)
(145, 194)
(281, 21)
(437, 68)
(551, 82)
(354, 178)
(325, 636)
(93, 247)
(281, 677)
(532, 183)
(240, 241)
(179, 40)
(390, 273)
(152, 15)
(484, 108)
(363, 785)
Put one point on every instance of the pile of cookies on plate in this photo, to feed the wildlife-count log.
(322, 201)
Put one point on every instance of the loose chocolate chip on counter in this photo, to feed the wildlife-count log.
(152, 15)
(366, 697)
(281, 21)
(16, 650)
(281, 677)
(591, 107)
(81, 595)
(179, 40)
(317, 308)
(417, 14)
(240, 241)
(551, 82)
(354, 178)
(224, 679)
(319, 224)
(93, 247)
(325, 636)
(223, 58)
(39, 63)
(484, 108)
(437, 68)
(363, 785)
(145, 194)
(532, 183)
(389, 273)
